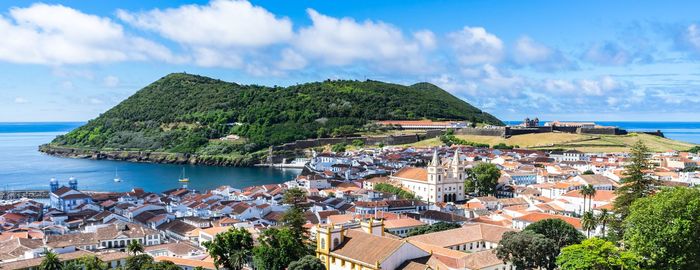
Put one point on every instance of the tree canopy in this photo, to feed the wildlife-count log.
(562, 233)
(231, 249)
(278, 247)
(595, 253)
(527, 250)
(308, 262)
(665, 229)
(482, 179)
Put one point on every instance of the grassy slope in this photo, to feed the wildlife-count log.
(585, 143)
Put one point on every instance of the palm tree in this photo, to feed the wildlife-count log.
(134, 247)
(585, 192)
(603, 218)
(50, 262)
(591, 194)
(588, 222)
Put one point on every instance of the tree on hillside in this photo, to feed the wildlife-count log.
(527, 250)
(278, 248)
(294, 196)
(308, 262)
(664, 229)
(595, 253)
(636, 184)
(338, 148)
(484, 177)
(231, 249)
(50, 262)
(134, 247)
(562, 233)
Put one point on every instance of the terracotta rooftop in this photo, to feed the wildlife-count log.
(413, 173)
(466, 234)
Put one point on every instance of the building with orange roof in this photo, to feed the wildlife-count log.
(402, 226)
(340, 248)
(581, 204)
(468, 238)
(523, 221)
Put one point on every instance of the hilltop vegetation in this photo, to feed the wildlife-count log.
(182, 113)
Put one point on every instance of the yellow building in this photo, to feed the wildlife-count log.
(363, 249)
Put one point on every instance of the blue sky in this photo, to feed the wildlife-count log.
(585, 60)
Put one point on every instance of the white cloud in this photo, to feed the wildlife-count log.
(291, 60)
(454, 85)
(426, 39)
(20, 100)
(585, 87)
(221, 23)
(344, 41)
(55, 35)
(689, 38)
(474, 45)
(111, 81)
(528, 52)
(223, 33)
(496, 79)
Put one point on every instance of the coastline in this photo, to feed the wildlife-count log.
(148, 156)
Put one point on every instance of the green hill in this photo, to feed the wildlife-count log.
(183, 113)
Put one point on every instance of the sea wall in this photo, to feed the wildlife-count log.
(148, 156)
(368, 140)
(602, 131)
(526, 130)
(497, 131)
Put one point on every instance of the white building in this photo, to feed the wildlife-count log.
(439, 182)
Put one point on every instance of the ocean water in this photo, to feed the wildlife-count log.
(23, 167)
(681, 131)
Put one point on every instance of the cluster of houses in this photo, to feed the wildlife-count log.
(354, 225)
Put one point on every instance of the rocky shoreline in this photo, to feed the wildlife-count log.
(148, 156)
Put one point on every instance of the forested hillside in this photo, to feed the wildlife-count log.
(183, 113)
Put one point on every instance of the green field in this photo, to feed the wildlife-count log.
(584, 143)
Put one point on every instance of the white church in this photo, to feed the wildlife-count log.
(439, 182)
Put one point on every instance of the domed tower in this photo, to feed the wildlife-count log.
(53, 184)
(73, 183)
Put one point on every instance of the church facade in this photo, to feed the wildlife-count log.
(438, 182)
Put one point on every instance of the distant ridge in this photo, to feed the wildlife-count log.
(187, 114)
